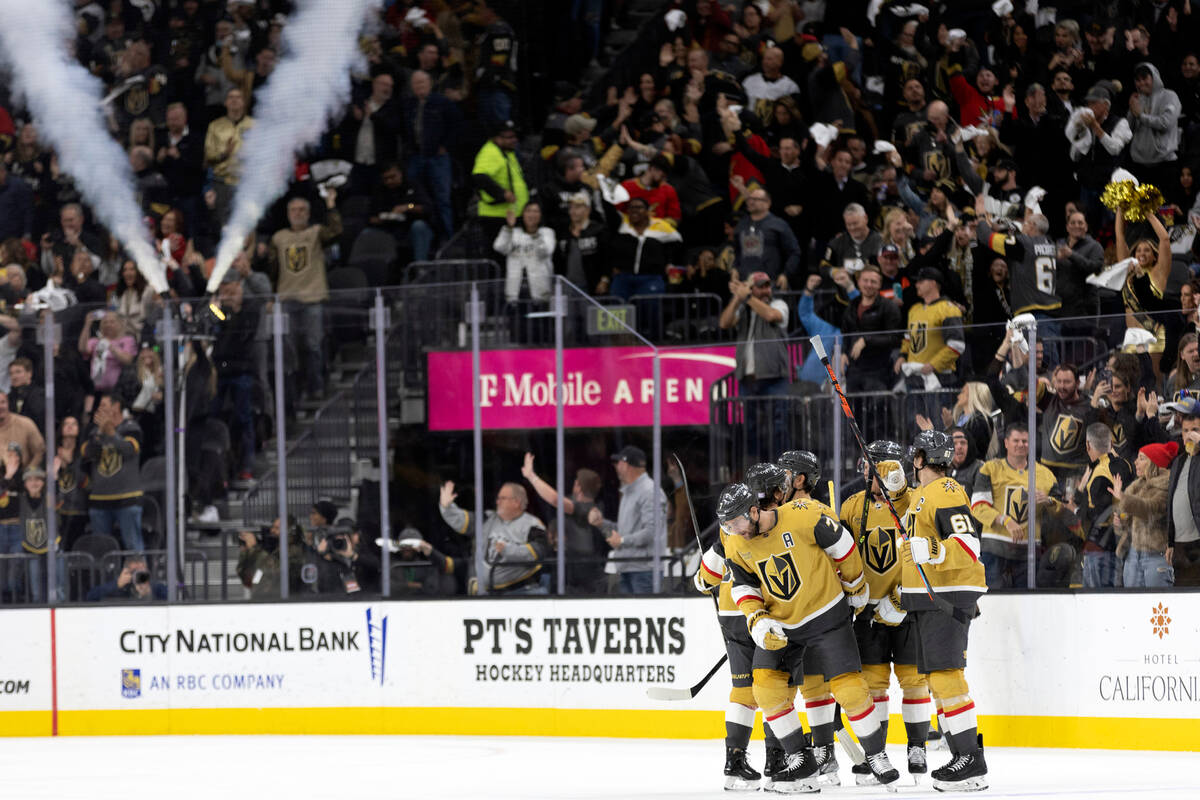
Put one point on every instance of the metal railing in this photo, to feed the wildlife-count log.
(23, 577)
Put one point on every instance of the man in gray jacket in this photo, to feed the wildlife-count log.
(641, 515)
(516, 540)
(1154, 117)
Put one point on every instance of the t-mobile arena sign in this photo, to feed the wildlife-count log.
(605, 387)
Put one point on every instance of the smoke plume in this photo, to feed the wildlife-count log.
(308, 88)
(65, 102)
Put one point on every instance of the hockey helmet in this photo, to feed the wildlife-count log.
(801, 462)
(736, 501)
(764, 479)
(883, 450)
(937, 446)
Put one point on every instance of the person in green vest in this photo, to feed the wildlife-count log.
(498, 181)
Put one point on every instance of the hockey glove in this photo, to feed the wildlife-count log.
(926, 551)
(893, 476)
(766, 631)
(857, 594)
(888, 610)
(702, 585)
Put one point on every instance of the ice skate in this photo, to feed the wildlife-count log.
(799, 776)
(966, 772)
(827, 764)
(774, 764)
(917, 763)
(882, 768)
(863, 775)
(739, 775)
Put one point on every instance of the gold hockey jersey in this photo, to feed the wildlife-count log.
(940, 511)
(878, 541)
(714, 572)
(793, 569)
(1000, 489)
(935, 335)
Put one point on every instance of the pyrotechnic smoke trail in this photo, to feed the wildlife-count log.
(65, 102)
(309, 87)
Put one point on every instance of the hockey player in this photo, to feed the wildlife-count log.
(820, 707)
(767, 482)
(943, 539)
(886, 639)
(795, 605)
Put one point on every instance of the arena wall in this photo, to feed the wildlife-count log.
(1046, 670)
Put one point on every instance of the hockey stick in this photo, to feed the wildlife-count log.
(667, 693)
(941, 604)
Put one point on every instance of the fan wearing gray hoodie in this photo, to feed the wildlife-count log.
(1154, 117)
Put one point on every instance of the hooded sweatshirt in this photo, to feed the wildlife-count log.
(1156, 131)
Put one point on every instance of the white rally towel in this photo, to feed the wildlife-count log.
(675, 19)
(882, 146)
(1033, 199)
(1122, 174)
(822, 133)
(1002, 7)
(1112, 278)
(1016, 330)
(911, 369)
(1136, 337)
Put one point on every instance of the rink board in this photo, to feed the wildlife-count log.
(1057, 670)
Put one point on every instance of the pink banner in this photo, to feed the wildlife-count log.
(605, 387)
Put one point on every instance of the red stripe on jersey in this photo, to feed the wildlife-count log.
(783, 713)
(819, 703)
(749, 597)
(967, 707)
(980, 503)
(916, 700)
(879, 698)
(970, 552)
(709, 571)
(856, 717)
(848, 552)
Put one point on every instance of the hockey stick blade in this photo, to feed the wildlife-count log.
(667, 693)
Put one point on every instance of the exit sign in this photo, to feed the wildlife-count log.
(611, 320)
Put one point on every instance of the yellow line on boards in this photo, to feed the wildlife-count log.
(999, 731)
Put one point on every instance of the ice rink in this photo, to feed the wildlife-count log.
(293, 767)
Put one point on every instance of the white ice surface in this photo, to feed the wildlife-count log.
(462, 767)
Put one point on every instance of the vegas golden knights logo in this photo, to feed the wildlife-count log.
(297, 258)
(1016, 505)
(137, 100)
(35, 533)
(1118, 431)
(918, 335)
(66, 480)
(110, 461)
(880, 552)
(936, 163)
(1065, 436)
(780, 575)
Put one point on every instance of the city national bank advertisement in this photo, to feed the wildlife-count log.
(1044, 670)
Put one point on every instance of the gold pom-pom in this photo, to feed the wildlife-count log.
(1146, 201)
(1118, 194)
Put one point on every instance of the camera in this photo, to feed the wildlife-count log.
(141, 576)
(339, 542)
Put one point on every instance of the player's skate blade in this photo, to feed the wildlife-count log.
(739, 775)
(800, 775)
(863, 775)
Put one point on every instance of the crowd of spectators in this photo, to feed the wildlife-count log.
(916, 183)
